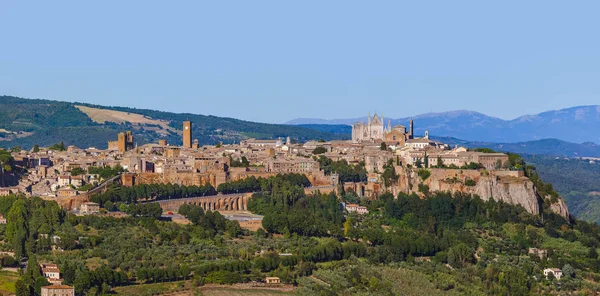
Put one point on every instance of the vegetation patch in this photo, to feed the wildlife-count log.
(424, 174)
(7, 282)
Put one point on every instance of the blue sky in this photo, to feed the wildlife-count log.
(272, 61)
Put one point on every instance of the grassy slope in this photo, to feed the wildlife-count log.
(7, 282)
(185, 288)
(54, 121)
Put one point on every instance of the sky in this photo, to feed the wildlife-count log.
(273, 61)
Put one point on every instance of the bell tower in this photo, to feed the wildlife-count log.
(187, 134)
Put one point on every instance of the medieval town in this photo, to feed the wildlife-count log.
(71, 179)
(373, 145)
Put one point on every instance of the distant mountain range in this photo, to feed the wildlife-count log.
(577, 124)
(551, 147)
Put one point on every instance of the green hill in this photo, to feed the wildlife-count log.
(575, 179)
(25, 122)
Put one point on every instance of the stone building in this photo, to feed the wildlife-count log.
(371, 131)
(50, 270)
(299, 165)
(187, 134)
(556, 272)
(375, 131)
(58, 290)
(123, 143)
(90, 208)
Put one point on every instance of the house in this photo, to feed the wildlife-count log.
(89, 208)
(2, 219)
(272, 280)
(50, 271)
(58, 290)
(556, 272)
(77, 181)
(64, 180)
(354, 208)
(5, 191)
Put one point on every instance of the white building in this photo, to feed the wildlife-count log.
(556, 272)
(373, 130)
(354, 208)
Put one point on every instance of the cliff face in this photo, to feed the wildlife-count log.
(509, 187)
(560, 208)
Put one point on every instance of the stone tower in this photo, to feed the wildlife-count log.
(187, 134)
(125, 141)
(411, 131)
(121, 146)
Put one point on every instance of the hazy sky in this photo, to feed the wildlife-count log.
(272, 61)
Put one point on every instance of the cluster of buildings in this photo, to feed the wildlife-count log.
(50, 172)
(422, 150)
(52, 273)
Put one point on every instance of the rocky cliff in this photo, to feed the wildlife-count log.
(509, 187)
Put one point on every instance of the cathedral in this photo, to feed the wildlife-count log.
(375, 131)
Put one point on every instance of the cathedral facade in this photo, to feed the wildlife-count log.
(375, 131)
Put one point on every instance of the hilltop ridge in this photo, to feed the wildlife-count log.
(25, 122)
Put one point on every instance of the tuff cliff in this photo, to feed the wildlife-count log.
(507, 186)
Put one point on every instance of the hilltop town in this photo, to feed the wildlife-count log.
(71, 176)
(276, 187)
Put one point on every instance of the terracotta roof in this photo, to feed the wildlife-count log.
(58, 287)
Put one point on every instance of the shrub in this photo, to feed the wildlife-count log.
(470, 182)
(223, 277)
(424, 174)
(319, 150)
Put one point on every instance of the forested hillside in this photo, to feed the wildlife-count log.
(25, 122)
(578, 181)
(546, 147)
(441, 245)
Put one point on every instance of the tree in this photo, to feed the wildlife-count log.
(440, 162)
(58, 147)
(593, 254)
(16, 229)
(568, 271)
(319, 150)
(36, 148)
(22, 289)
(77, 171)
(419, 163)
(459, 255)
(470, 182)
(389, 175)
(383, 146)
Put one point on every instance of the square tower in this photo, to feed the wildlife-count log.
(121, 142)
(187, 134)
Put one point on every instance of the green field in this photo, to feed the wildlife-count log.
(211, 291)
(152, 289)
(184, 288)
(7, 282)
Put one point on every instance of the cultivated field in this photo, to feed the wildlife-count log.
(185, 288)
(7, 282)
(104, 115)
